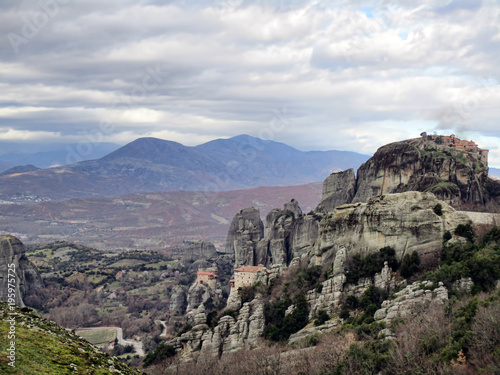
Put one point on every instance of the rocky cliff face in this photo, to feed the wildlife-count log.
(27, 278)
(229, 335)
(289, 235)
(276, 247)
(412, 300)
(178, 300)
(457, 176)
(405, 221)
(199, 250)
(245, 231)
(338, 188)
(420, 164)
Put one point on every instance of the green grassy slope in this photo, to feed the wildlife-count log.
(43, 347)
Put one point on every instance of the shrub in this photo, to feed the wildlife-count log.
(278, 326)
(318, 287)
(246, 293)
(492, 236)
(321, 318)
(161, 352)
(466, 231)
(447, 236)
(410, 265)
(367, 266)
(438, 209)
(187, 327)
(351, 302)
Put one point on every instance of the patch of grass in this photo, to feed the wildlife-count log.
(43, 347)
(98, 336)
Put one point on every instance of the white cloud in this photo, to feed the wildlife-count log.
(353, 76)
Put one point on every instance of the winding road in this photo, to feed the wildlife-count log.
(119, 335)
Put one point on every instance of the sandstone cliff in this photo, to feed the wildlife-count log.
(421, 164)
(199, 250)
(27, 278)
(405, 221)
(454, 174)
(245, 231)
(230, 334)
(338, 188)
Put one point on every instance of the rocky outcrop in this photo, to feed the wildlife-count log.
(289, 235)
(332, 288)
(276, 248)
(200, 294)
(199, 250)
(421, 164)
(245, 231)
(229, 335)
(335, 289)
(406, 222)
(305, 333)
(178, 300)
(412, 300)
(13, 257)
(338, 188)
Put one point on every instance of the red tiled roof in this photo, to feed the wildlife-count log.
(249, 269)
(207, 273)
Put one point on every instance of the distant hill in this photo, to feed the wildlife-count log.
(153, 165)
(20, 169)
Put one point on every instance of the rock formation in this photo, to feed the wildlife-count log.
(199, 250)
(412, 300)
(289, 235)
(178, 300)
(229, 335)
(452, 174)
(338, 188)
(27, 278)
(405, 221)
(276, 248)
(245, 231)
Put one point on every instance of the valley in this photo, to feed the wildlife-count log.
(145, 221)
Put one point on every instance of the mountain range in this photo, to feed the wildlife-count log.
(51, 154)
(153, 165)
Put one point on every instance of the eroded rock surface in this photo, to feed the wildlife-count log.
(27, 278)
(246, 230)
(412, 300)
(338, 188)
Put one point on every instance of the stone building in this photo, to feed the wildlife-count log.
(245, 276)
(207, 278)
(461, 144)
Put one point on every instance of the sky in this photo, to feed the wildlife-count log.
(317, 75)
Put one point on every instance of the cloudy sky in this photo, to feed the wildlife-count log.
(318, 75)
